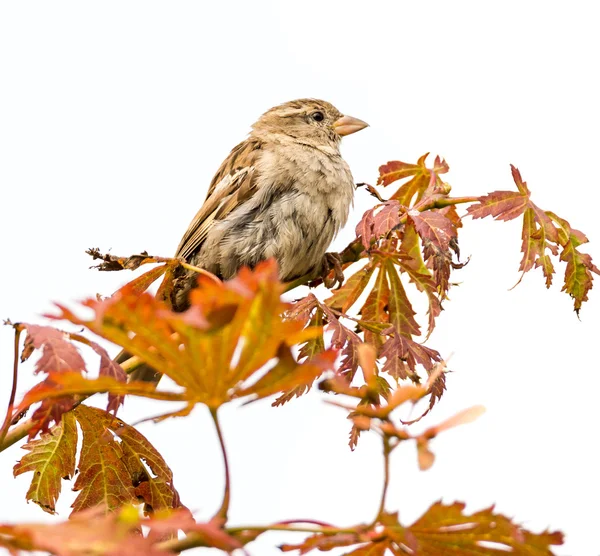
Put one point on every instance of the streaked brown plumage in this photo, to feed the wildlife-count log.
(284, 192)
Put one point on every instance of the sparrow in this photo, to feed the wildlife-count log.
(284, 192)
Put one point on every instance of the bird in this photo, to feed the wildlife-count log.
(283, 193)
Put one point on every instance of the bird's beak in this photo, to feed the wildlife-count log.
(347, 125)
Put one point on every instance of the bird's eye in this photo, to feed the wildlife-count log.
(317, 116)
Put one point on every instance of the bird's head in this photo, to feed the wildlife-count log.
(309, 121)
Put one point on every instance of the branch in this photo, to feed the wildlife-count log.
(195, 540)
(387, 449)
(227, 494)
(11, 401)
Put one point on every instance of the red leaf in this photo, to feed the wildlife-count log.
(400, 309)
(403, 355)
(58, 354)
(375, 307)
(396, 170)
(502, 205)
(364, 229)
(386, 218)
(446, 528)
(110, 368)
(348, 294)
(433, 226)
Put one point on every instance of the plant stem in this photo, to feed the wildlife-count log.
(17, 433)
(441, 203)
(227, 494)
(387, 449)
(11, 401)
(194, 540)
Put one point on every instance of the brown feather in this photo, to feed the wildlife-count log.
(223, 196)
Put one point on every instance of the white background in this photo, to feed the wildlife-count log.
(115, 115)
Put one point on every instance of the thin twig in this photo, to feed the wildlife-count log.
(448, 201)
(194, 540)
(201, 271)
(222, 512)
(17, 433)
(387, 449)
(11, 402)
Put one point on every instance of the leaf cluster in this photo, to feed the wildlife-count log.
(365, 344)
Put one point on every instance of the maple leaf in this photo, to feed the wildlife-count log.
(434, 227)
(109, 368)
(378, 222)
(375, 308)
(418, 273)
(54, 402)
(346, 341)
(445, 529)
(231, 331)
(144, 281)
(501, 205)
(61, 392)
(410, 354)
(57, 353)
(346, 296)
(103, 477)
(422, 178)
(113, 534)
(112, 464)
(51, 458)
(343, 339)
(386, 218)
(401, 314)
(578, 273)
(543, 234)
(316, 345)
(439, 237)
(364, 229)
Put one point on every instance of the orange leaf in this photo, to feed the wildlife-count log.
(113, 473)
(348, 294)
(502, 205)
(51, 458)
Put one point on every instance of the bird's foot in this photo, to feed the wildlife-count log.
(332, 262)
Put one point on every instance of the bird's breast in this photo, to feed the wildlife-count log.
(302, 199)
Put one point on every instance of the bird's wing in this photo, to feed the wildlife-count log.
(233, 184)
